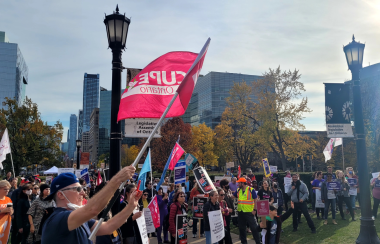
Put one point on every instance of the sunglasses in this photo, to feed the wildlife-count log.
(76, 188)
(145, 194)
(182, 196)
(222, 195)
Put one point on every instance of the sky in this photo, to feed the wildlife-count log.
(62, 40)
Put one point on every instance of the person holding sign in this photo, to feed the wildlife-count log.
(211, 205)
(376, 195)
(194, 192)
(162, 200)
(329, 198)
(226, 216)
(353, 188)
(344, 195)
(316, 185)
(271, 225)
(177, 207)
(246, 213)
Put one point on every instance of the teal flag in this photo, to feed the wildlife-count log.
(145, 169)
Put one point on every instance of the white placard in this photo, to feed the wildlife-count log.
(65, 170)
(216, 225)
(273, 169)
(77, 173)
(230, 165)
(141, 128)
(318, 199)
(222, 177)
(375, 175)
(353, 191)
(339, 130)
(183, 189)
(149, 221)
(142, 227)
(288, 183)
(164, 188)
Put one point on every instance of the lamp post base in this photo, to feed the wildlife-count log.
(367, 233)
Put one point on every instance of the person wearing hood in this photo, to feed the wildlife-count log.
(271, 228)
(73, 223)
(299, 193)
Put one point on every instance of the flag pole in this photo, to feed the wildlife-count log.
(116, 195)
(13, 168)
(342, 153)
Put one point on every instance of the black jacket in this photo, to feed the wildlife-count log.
(130, 228)
(206, 208)
(14, 198)
(279, 220)
(23, 206)
(324, 191)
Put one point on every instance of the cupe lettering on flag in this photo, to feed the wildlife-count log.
(150, 93)
(155, 211)
(176, 155)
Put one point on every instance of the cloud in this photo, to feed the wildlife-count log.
(62, 40)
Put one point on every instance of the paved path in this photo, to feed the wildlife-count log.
(202, 240)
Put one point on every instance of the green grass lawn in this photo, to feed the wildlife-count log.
(345, 232)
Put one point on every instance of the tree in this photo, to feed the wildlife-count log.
(223, 144)
(32, 140)
(279, 107)
(170, 132)
(240, 127)
(128, 154)
(203, 145)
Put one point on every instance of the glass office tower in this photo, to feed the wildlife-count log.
(90, 98)
(73, 135)
(208, 102)
(13, 71)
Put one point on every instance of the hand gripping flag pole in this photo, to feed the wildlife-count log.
(181, 90)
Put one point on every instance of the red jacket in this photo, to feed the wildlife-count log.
(175, 208)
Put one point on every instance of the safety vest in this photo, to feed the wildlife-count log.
(245, 201)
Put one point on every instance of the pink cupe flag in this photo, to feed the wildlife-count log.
(151, 91)
(155, 212)
(176, 155)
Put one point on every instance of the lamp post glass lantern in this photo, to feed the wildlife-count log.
(354, 56)
(117, 26)
(79, 145)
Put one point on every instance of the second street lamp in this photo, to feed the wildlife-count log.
(117, 29)
(354, 56)
(79, 145)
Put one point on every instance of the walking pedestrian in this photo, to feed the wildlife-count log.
(299, 193)
(211, 205)
(329, 198)
(246, 202)
(344, 195)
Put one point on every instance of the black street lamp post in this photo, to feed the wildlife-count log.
(354, 56)
(79, 144)
(117, 29)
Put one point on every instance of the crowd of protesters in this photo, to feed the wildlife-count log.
(63, 212)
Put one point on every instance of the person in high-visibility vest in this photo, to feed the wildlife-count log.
(246, 196)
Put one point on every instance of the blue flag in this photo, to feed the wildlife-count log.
(164, 172)
(145, 169)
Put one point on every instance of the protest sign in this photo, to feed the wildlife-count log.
(203, 180)
(198, 203)
(288, 183)
(318, 199)
(262, 208)
(230, 165)
(375, 175)
(5, 227)
(352, 181)
(142, 227)
(216, 225)
(135, 176)
(377, 183)
(334, 185)
(164, 188)
(181, 229)
(148, 221)
(65, 170)
(180, 172)
(266, 167)
(77, 173)
(273, 169)
(48, 180)
(85, 176)
(235, 208)
(153, 207)
(353, 191)
(191, 161)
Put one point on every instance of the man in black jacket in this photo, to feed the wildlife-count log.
(15, 237)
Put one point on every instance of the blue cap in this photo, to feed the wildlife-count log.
(60, 182)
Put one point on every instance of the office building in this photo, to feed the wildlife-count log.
(94, 135)
(90, 98)
(13, 71)
(73, 135)
(208, 100)
(80, 124)
(86, 141)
